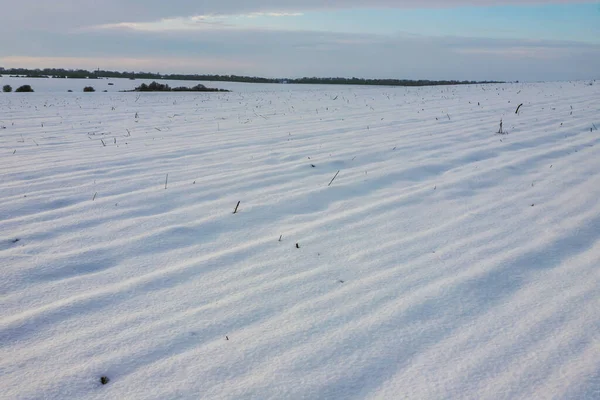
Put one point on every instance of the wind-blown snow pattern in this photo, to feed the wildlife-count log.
(445, 261)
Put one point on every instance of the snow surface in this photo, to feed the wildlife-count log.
(444, 261)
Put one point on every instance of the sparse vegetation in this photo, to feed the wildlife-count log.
(160, 87)
(83, 74)
(501, 131)
(24, 89)
(88, 89)
(518, 108)
(333, 178)
(7, 88)
(435, 274)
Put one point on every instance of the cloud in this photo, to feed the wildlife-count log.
(200, 22)
(127, 63)
(61, 15)
(251, 38)
(542, 53)
(167, 24)
(275, 14)
(296, 54)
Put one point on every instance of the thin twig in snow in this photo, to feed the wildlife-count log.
(333, 178)
(516, 112)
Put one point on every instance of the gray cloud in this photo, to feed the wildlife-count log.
(37, 33)
(60, 15)
(293, 54)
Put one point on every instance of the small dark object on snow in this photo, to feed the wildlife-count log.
(516, 112)
(500, 131)
(227, 337)
(333, 178)
(313, 165)
(236, 207)
(104, 380)
(16, 240)
(297, 246)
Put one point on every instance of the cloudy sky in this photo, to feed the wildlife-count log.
(525, 40)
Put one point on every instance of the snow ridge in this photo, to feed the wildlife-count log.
(445, 261)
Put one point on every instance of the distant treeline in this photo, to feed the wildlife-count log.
(159, 87)
(83, 74)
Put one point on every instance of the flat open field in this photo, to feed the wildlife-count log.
(444, 261)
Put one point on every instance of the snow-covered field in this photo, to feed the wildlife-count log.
(444, 261)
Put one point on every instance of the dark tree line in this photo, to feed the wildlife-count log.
(83, 74)
(160, 87)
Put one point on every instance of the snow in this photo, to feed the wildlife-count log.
(445, 261)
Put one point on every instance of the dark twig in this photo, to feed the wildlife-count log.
(333, 178)
(500, 130)
(516, 112)
(236, 207)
